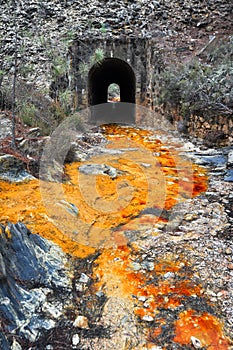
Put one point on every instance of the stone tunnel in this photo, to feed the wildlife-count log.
(101, 76)
(131, 63)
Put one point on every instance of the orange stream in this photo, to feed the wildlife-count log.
(150, 175)
(105, 203)
(115, 275)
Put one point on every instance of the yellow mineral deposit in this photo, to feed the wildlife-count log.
(200, 326)
(116, 277)
(150, 175)
(104, 203)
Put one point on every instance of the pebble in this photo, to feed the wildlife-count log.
(16, 345)
(196, 342)
(81, 322)
(146, 165)
(222, 293)
(80, 287)
(190, 217)
(169, 275)
(228, 251)
(136, 266)
(230, 158)
(230, 266)
(148, 318)
(142, 298)
(75, 339)
(84, 278)
(148, 265)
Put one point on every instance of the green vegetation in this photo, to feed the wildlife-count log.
(113, 90)
(19, 92)
(39, 106)
(83, 69)
(203, 86)
(28, 113)
(97, 58)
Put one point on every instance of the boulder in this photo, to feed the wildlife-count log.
(32, 269)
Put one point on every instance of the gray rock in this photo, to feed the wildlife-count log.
(98, 169)
(212, 160)
(4, 342)
(70, 207)
(148, 265)
(32, 267)
(15, 345)
(84, 278)
(182, 127)
(12, 169)
(2, 268)
(168, 275)
(75, 339)
(5, 126)
(75, 154)
(229, 176)
(230, 158)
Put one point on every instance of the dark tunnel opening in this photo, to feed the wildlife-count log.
(101, 76)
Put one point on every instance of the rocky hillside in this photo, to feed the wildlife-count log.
(168, 20)
(147, 286)
(114, 18)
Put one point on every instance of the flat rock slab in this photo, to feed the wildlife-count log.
(98, 169)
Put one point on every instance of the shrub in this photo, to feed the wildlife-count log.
(66, 101)
(200, 87)
(97, 57)
(27, 113)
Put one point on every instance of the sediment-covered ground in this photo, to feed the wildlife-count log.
(136, 254)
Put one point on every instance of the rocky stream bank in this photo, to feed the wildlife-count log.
(149, 275)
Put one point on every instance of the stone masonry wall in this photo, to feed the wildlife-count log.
(217, 130)
(140, 54)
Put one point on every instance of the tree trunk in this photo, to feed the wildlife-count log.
(14, 77)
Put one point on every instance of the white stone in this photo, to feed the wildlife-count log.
(146, 165)
(196, 343)
(52, 310)
(230, 157)
(15, 345)
(148, 318)
(84, 278)
(75, 339)
(5, 301)
(168, 275)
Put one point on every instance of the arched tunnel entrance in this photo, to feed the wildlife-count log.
(101, 76)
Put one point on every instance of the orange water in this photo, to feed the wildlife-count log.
(151, 175)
